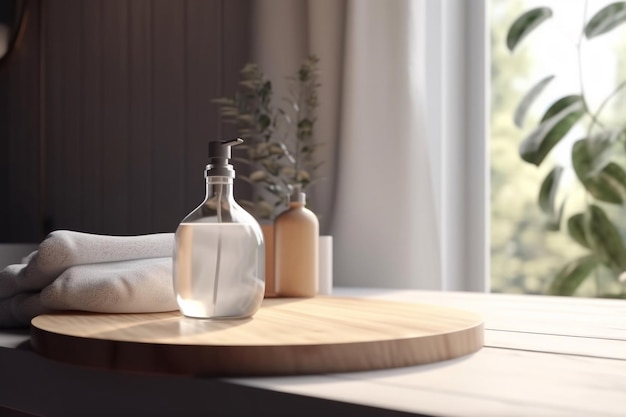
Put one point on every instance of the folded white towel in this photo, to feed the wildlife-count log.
(80, 271)
(20, 309)
(11, 279)
(64, 248)
(137, 286)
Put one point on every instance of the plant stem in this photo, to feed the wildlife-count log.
(594, 119)
(579, 57)
(298, 120)
(603, 104)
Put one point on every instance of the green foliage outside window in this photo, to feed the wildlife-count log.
(597, 158)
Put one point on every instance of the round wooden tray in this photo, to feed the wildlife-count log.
(286, 336)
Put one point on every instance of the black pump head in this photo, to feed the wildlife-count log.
(219, 154)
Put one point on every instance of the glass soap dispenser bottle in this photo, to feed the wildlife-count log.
(219, 256)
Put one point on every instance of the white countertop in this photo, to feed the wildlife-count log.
(545, 356)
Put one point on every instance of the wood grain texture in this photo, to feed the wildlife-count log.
(542, 356)
(492, 382)
(562, 325)
(564, 316)
(285, 337)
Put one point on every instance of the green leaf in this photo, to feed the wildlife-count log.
(600, 149)
(229, 111)
(305, 129)
(584, 155)
(560, 105)
(250, 84)
(581, 159)
(266, 89)
(528, 100)
(572, 275)
(605, 239)
(549, 187)
(264, 121)
(274, 189)
(277, 149)
(525, 24)
(608, 185)
(606, 19)
(605, 184)
(258, 175)
(245, 118)
(303, 177)
(288, 171)
(576, 229)
(264, 210)
(223, 101)
(540, 142)
(554, 223)
(613, 181)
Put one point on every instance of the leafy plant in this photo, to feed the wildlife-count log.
(593, 158)
(279, 143)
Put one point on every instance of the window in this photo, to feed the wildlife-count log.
(525, 253)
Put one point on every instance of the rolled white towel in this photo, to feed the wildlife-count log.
(137, 286)
(63, 249)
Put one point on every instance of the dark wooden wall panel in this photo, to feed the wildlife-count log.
(91, 88)
(141, 129)
(203, 34)
(5, 149)
(115, 116)
(56, 188)
(66, 64)
(19, 136)
(123, 89)
(169, 113)
(62, 120)
(23, 135)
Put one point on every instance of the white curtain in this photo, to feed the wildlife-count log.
(378, 200)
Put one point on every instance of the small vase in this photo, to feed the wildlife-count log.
(325, 283)
(325, 263)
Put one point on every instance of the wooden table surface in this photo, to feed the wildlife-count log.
(543, 356)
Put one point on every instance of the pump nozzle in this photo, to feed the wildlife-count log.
(221, 150)
(297, 195)
(219, 154)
